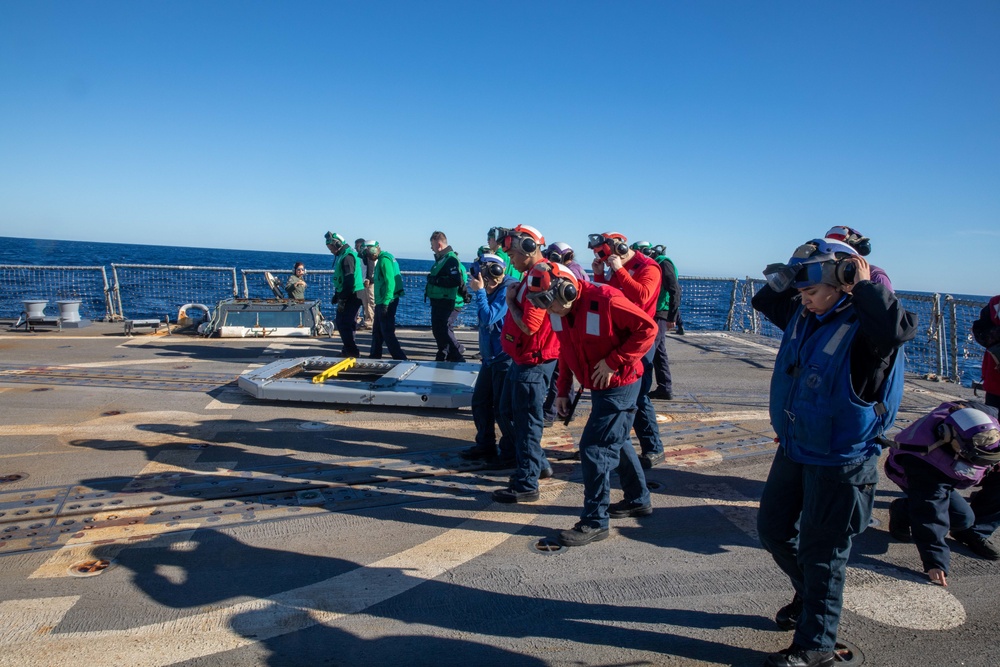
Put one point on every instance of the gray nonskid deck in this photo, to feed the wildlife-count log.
(241, 531)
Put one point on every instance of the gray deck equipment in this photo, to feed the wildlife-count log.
(413, 384)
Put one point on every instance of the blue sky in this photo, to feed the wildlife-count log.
(730, 131)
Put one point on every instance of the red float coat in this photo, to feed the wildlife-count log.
(639, 279)
(602, 324)
(529, 349)
(989, 322)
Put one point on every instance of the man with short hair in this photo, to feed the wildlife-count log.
(388, 288)
(347, 281)
(639, 279)
(602, 339)
(445, 289)
(528, 338)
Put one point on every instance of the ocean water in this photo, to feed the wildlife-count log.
(42, 252)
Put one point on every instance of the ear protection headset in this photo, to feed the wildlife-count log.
(616, 244)
(852, 237)
(524, 237)
(491, 269)
(549, 283)
(565, 291)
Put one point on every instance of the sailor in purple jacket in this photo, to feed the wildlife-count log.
(951, 448)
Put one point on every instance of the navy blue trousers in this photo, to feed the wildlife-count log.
(486, 397)
(347, 314)
(646, 429)
(934, 508)
(809, 515)
(443, 315)
(605, 446)
(661, 364)
(384, 331)
(521, 409)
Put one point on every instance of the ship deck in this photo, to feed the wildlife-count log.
(152, 513)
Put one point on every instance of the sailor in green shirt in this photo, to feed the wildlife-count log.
(348, 274)
(445, 287)
(388, 290)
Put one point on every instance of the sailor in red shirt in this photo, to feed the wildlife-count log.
(603, 337)
(527, 337)
(639, 278)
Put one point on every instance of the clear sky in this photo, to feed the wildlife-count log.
(731, 131)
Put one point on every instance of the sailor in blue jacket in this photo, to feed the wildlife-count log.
(488, 286)
(836, 387)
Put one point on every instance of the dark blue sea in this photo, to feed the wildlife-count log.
(84, 253)
(705, 304)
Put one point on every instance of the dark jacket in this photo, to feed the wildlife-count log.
(884, 325)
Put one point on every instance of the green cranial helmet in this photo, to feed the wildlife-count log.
(335, 239)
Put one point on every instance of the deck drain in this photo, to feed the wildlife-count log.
(846, 653)
(874, 523)
(548, 546)
(111, 413)
(652, 485)
(89, 568)
(314, 426)
(13, 477)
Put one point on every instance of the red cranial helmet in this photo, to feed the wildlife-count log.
(607, 244)
(551, 283)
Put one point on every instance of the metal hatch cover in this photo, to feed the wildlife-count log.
(415, 384)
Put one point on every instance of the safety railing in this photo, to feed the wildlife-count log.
(152, 290)
(944, 347)
(89, 284)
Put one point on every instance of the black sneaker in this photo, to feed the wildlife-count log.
(899, 520)
(661, 395)
(794, 656)
(476, 453)
(650, 459)
(626, 508)
(788, 616)
(582, 533)
(512, 496)
(977, 544)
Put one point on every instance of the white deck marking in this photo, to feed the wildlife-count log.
(257, 620)
(29, 619)
(895, 599)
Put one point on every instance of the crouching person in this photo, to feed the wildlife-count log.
(951, 448)
(602, 339)
(835, 389)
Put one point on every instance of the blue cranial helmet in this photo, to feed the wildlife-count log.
(814, 262)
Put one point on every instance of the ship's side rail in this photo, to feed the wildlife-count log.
(89, 284)
(944, 347)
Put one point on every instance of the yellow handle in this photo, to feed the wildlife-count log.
(333, 370)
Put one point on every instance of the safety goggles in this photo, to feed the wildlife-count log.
(556, 257)
(542, 299)
(597, 240)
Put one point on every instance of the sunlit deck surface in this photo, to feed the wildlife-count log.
(152, 513)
